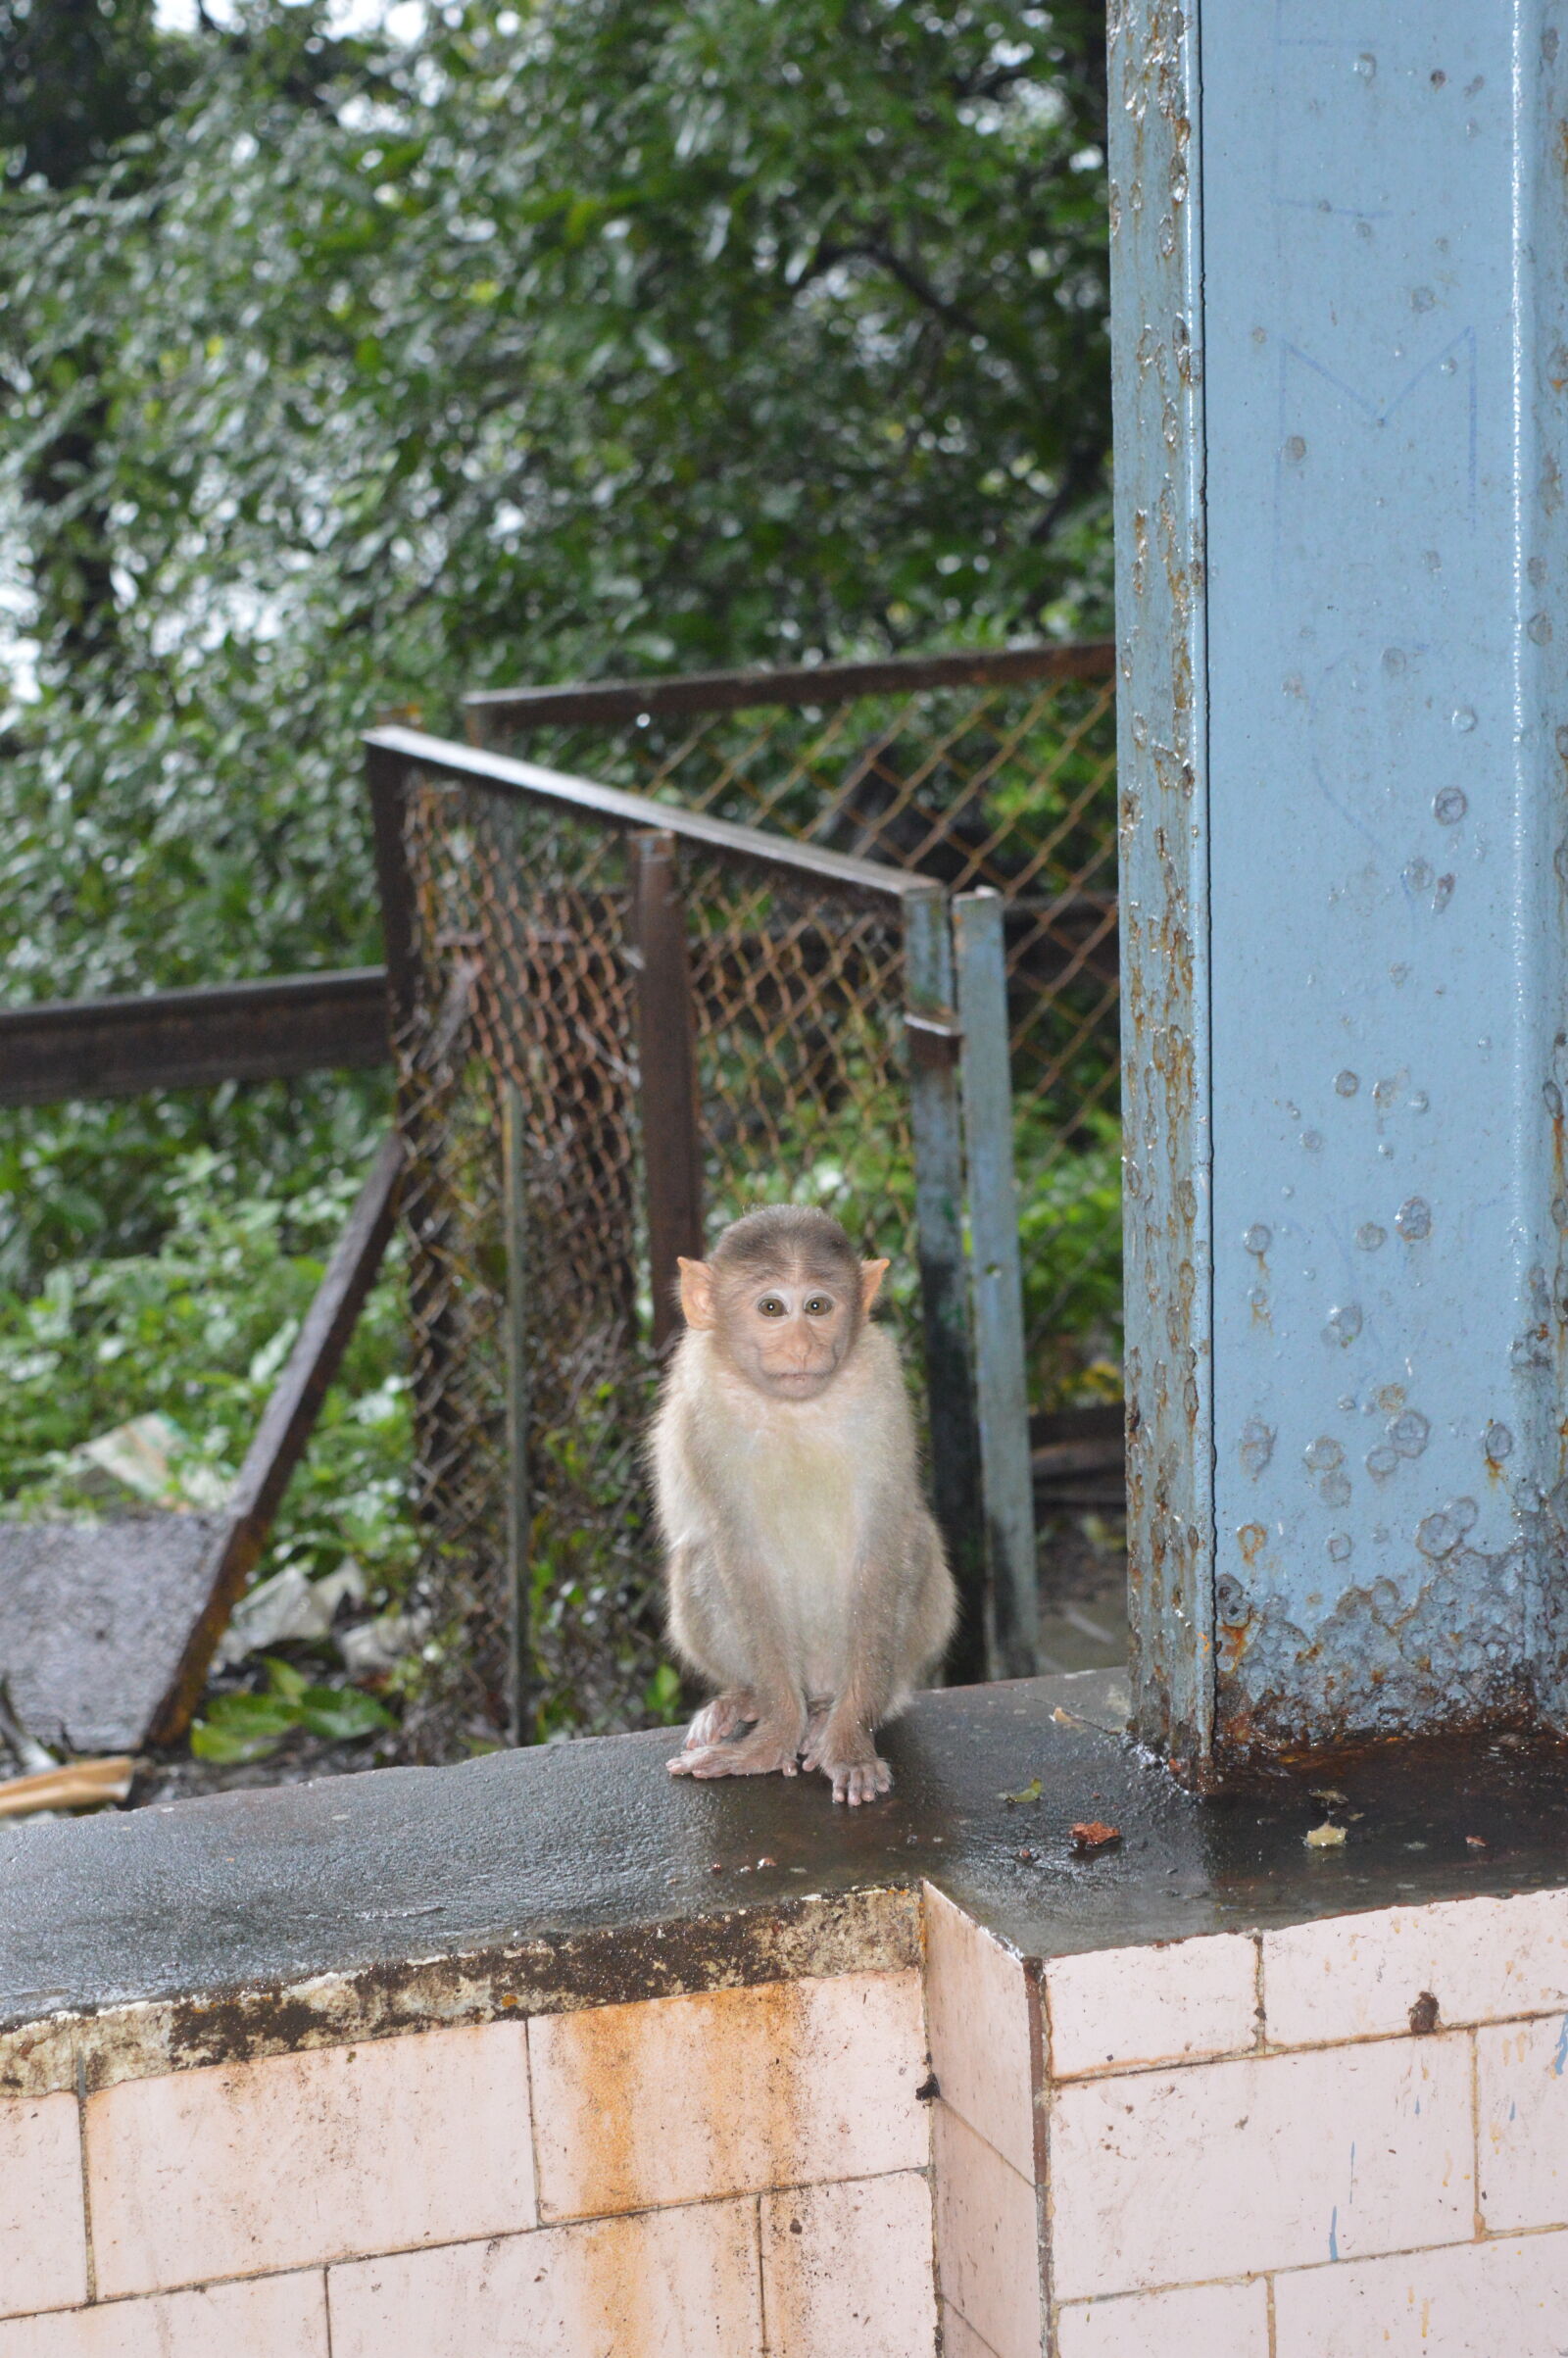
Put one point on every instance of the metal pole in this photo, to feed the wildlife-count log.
(933, 1037)
(523, 1680)
(1344, 675)
(997, 1280)
(671, 1152)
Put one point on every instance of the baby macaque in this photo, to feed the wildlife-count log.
(805, 1578)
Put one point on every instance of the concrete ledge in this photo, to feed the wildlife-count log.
(583, 1875)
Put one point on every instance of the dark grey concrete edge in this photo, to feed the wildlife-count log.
(817, 1936)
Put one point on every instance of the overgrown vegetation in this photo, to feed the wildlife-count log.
(340, 376)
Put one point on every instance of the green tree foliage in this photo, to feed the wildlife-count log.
(632, 333)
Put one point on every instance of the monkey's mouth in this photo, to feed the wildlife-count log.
(800, 1375)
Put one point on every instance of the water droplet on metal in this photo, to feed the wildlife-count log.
(1393, 659)
(1369, 1236)
(1419, 1102)
(1422, 298)
(1258, 1298)
(1322, 1456)
(1312, 1139)
(1366, 66)
(1554, 1098)
(1464, 719)
(1539, 630)
(1410, 1433)
(1340, 1544)
(1497, 1441)
(1381, 1463)
(1418, 876)
(1294, 446)
(1343, 1324)
(1258, 1238)
(1335, 1489)
(1462, 1513)
(1437, 1536)
(1451, 806)
(1413, 1219)
(1442, 894)
(1257, 1444)
(1346, 1084)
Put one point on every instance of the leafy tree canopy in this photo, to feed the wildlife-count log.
(588, 338)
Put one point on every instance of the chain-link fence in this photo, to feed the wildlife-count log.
(976, 769)
(609, 1033)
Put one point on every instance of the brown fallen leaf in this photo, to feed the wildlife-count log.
(1475, 1842)
(1094, 1835)
(79, 1785)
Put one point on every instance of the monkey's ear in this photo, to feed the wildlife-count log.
(871, 1276)
(697, 1292)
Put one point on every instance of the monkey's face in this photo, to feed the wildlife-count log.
(787, 1329)
(788, 1335)
(786, 1332)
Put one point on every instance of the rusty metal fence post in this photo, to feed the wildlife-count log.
(935, 1052)
(672, 1167)
(996, 1284)
(523, 1679)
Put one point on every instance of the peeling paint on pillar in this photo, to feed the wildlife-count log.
(1164, 915)
(1341, 352)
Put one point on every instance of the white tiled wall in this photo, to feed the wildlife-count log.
(1250, 2149)
(743, 2173)
(1222, 2147)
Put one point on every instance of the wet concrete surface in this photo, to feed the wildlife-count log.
(619, 1881)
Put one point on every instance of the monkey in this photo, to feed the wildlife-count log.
(804, 1577)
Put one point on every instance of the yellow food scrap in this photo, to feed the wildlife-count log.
(1325, 1837)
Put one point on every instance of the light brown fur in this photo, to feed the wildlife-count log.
(805, 1578)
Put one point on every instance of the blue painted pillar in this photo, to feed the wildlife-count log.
(1341, 251)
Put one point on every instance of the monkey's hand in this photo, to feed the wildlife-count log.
(771, 1747)
(844, 1751)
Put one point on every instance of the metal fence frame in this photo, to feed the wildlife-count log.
(955, 1023)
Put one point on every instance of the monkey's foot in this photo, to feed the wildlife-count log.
(849, 1759)
(766, 1751)
(724, 1716)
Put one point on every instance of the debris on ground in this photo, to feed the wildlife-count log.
(288, 1606)
(1094, 1835)
(1327, 1836)
(1026, 1793)
(143, 1457)
(371, 1647)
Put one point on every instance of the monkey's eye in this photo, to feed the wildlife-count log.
(817, 1305)
(770, 1306)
